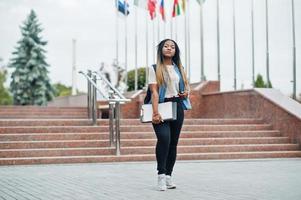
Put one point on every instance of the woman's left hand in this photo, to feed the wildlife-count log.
(183, 95)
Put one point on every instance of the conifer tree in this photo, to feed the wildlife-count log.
(5, 98)
(259, 83)
(30, 83)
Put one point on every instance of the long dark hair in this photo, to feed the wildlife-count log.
(160, 63)
(176, 58)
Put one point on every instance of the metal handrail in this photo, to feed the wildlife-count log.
(91, 81)
(110, 84)
(114, 105)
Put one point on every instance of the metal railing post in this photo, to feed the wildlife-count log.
(111, 119)
(115, 98)
(94, 102)
(117, 127)
(111, 123)
(89, 74)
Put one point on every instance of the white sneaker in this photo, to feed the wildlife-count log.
(169, 183)
(161, 182)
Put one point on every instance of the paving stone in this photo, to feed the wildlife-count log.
(244, 179)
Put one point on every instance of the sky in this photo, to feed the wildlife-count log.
(93, 24)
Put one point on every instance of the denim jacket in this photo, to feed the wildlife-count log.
(162, 90)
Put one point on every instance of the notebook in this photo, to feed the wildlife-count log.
(167, 110)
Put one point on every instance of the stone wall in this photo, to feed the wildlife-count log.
(208, 102)
(251, 104)
(132, 109)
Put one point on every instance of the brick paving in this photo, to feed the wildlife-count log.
(260, 179)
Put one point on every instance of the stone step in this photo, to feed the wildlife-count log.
(53, 129)
(210, 141)
(129, 128)
(204, 134)
(48, 152)
(13, 117)
(105, 122)
(215, 148)
(43, 115)
(192, 121)
(240, 127)
(50, 112)
(47, 122)
(53, 136)
(41, 108)
(11, 153)
(129, 135)
(42, 111)
(147, 157)
(139, 142)
(53, 144)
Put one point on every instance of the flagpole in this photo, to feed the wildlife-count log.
(74, 67)
(294, 51)
(218, 43)
(171, 22)
(136, 47)
(171, 28)
(185, 33)
(117, 31)
(188, 40)
(203, 78)
(158, 39)
(253, 44)
(146, 49)
(185, 26)
(154, 48)
(234, 44)
(163, 16)
(125, 60)
(176, 28)
(164, 27)
(267, 42)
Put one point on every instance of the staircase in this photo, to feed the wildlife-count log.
(40, 112)
(58, 135)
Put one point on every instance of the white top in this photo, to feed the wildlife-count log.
(172, 80)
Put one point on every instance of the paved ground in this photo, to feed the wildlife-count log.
(268, 179)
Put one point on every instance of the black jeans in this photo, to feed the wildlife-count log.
(168, 134)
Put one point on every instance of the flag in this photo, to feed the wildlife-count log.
(151, 5)
(184, 5)
(176, 8)
(141, 3)
(200, 1)
(162, 10)
(122, 6)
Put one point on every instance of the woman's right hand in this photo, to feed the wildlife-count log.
(157, 119)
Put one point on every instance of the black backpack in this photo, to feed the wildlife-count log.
(148, 96)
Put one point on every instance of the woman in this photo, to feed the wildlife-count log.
(168, 82)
